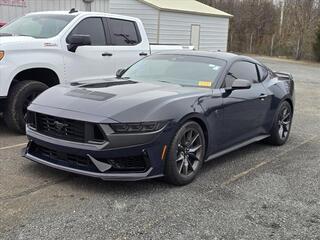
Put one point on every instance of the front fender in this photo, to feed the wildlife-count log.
(18, 61)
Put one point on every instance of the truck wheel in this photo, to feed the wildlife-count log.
(20, 97)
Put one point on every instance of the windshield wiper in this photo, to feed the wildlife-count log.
(163, 81)
(15, 35)
(6, 34)
(126, 37)
(124, 78)
(166, 81)
(24, 35)
(231, 75)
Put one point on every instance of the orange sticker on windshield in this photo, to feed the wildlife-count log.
(204, 83)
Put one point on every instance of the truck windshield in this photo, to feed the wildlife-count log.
(37, 26)
(186, 70)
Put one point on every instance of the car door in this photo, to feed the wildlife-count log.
(244, 110)
(128, 46)
(93, 61)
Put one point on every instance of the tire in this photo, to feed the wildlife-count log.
(20, 97)
(186, 154)
(280, 131)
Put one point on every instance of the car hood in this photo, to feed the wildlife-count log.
(24, 42)
(116, 99)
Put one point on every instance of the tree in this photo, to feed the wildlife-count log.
(316, 46)
(288, 27)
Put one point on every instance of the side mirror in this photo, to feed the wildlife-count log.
(77, 40)
(239, 84)
(120, 72)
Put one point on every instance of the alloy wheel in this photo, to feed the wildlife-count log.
(189, 152)
(284, 123)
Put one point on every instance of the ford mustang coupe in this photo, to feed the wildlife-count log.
(163, 117)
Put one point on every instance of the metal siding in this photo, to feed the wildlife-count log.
(133, 8)
(175, 28)
(100, 6)
(8, 13)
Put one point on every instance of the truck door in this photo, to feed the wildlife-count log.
(94, 61)
(127, 42)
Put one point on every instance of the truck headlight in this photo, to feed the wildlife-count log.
(144, 127)
(1, 55)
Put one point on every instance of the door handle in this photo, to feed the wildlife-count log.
(263, 96)
(143, 54)
(106, 54)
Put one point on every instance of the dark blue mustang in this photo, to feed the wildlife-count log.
(164, 116)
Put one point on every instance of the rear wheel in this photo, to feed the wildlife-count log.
(20, 97)
(186, 154)
(281, 127)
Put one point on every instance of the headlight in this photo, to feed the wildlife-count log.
(138, 127)
(1, 55)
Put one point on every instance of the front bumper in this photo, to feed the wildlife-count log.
(85, 159)
(103, 176)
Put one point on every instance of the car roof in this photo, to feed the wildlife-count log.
(86, 14)
(227, 56)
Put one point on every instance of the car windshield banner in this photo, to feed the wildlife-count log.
(19, 3)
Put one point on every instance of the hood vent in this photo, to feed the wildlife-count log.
(92, 95)
(107, 84)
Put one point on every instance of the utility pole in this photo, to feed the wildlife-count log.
(251, 42)
(272, 45)
(281, 17)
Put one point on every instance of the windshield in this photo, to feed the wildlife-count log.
(184, 70)
(37, 26)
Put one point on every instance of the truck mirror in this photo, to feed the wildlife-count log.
(77, 40)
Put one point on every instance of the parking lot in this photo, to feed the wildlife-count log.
(259, 192)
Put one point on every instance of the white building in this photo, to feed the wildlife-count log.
(166, 21)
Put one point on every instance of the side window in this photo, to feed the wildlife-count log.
(242, 70)
(94, 28)
(263, 73)
(123, 32)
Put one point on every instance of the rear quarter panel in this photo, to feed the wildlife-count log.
(280, 90)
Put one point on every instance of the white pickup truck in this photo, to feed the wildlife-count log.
(43, 49)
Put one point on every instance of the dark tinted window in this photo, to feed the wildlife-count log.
(123, 32)
(263, 72)
(242, 70)
(92, 27)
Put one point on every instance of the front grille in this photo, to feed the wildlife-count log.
(60, 127)
(125, 164)
(66, 129)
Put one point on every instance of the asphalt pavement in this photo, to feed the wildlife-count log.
(258, 192)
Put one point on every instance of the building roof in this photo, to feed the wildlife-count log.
(186, 6)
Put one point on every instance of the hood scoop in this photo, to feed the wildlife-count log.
(107, 84)
(87, 94)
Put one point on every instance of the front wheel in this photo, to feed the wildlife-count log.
(20, 97)
(186, 154)
(282, 125)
